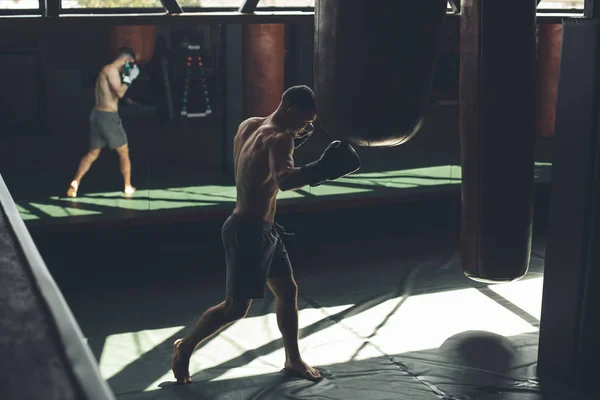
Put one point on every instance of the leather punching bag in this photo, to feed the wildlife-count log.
(497, 129)
(141, 39)
(264, 67)
(374, 66)
(549, 49)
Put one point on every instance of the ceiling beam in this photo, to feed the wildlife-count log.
(99, 20)
(172, 6)
(248, 6)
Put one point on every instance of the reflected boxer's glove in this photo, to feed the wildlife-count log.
(338, 160)
(129, 77)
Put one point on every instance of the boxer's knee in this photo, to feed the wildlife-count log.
(284, 288)
(235, 309)
(93, 154)
(123, 151)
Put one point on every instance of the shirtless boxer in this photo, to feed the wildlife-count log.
(256, 257)
(106, 128)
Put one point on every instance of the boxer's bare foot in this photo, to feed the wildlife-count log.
(181, 364)
(72, 191)
(300, 369)
(129, 190)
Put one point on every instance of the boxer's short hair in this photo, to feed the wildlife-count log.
(125, 52)
(299, 97)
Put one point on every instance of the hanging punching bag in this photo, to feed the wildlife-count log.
(264, 67)
(141, 39)
(374, 67)
(497, 129)
(549, 48)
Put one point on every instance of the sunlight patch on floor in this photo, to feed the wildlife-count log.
(252, 346)
(242, 338)
(122, 349)
(427, 321)
(359, 184)
(59, 211)
(25, 214)
(525, 294)
(109, 199)
(430, 176)
(215, 195)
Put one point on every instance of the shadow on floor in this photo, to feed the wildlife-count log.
(331, 279)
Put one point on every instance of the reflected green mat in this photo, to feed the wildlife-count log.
(153, 200)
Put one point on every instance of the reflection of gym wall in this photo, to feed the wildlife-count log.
(70, 65)
(72, 60)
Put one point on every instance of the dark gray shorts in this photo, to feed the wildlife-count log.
(254, 253)
(106, 130)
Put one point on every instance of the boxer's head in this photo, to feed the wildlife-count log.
(125, 55)
(298, 108)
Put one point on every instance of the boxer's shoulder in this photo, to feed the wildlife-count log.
(251, 123)
(109, 69)
(279, 141)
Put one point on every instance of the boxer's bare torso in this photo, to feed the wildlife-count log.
(253, 148)
(109, 89)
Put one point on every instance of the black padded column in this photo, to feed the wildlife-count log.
(569, 332)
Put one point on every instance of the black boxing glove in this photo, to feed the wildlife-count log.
(299, 141)
(338, 160)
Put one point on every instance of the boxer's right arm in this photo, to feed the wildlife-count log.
(281, 162)
(114, 81)
(338, 160)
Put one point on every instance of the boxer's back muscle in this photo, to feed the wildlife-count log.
(106, 100)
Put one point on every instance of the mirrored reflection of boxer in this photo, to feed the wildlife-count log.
(106, 128)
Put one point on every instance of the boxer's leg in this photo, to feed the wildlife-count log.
(96, 143)
(282, 284)
(211, 322)
(117, 140)
(84, 166)
(248, 254)
(125, 165)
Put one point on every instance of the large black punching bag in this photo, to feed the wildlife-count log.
(497, 129)
(374, 65)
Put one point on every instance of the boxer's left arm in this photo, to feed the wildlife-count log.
(114, 81)
(130, 76)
